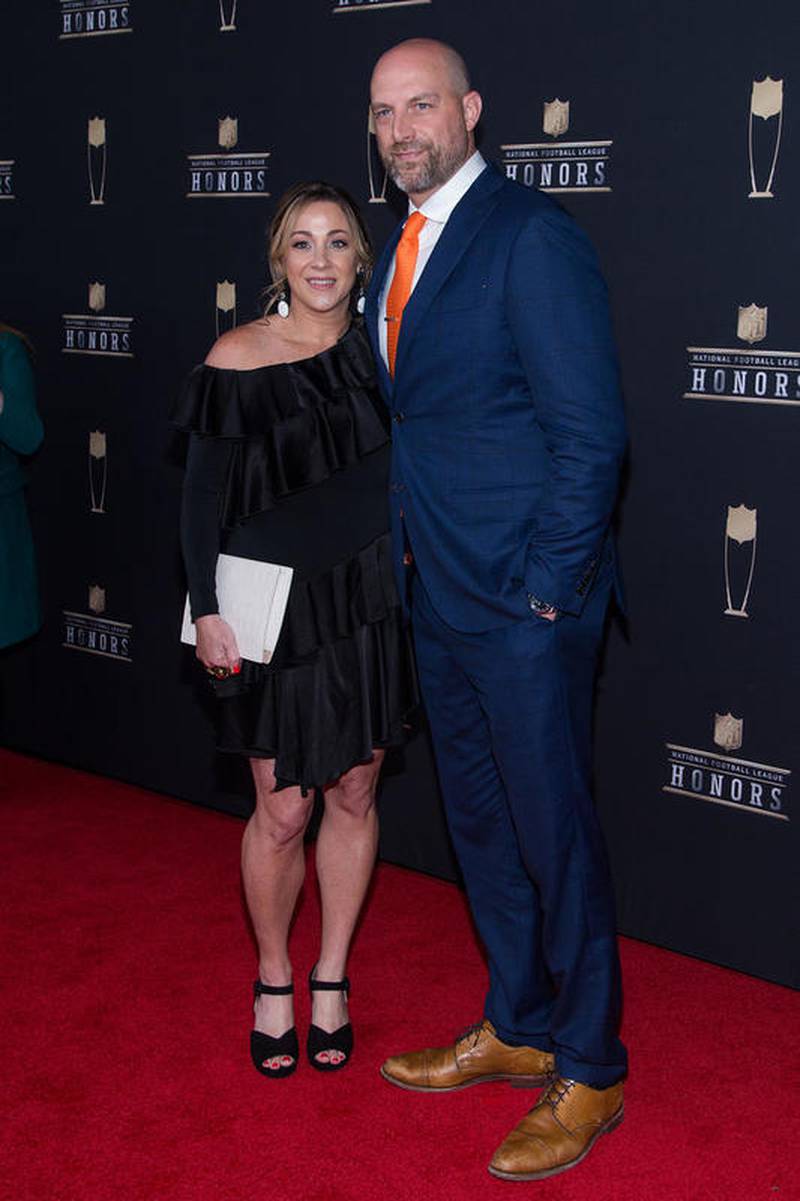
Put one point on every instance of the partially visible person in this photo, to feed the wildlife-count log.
(289, 463)
(20, 434)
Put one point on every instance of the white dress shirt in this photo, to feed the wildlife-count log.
(436, 210)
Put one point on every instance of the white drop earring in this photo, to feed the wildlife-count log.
(361, 299)
(283, 304)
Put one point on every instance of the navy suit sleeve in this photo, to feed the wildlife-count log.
(558, 312)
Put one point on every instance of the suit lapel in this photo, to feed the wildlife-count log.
(372, 315)
(462, 227)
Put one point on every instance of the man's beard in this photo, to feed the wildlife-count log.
(441, 164)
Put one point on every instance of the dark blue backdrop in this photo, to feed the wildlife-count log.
(696, 714)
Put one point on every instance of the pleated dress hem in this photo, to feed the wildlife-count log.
(320, 717)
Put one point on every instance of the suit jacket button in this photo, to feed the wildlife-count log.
(398, 417)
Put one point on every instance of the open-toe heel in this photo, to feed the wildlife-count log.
(264, 1046)
(319, 1040)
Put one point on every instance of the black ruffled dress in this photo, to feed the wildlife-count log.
(289, 464)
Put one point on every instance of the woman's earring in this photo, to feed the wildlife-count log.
(361, 299)
(283, 304)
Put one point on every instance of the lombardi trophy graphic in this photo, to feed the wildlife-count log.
(98, 471)
(225, 311)
(96, 153)
(740, 531)
(374, 197)
(766, 102)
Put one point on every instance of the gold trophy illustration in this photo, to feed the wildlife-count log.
(225, 311)
(740, 530)
(766, 102)
(96, 154)
(374, 197)
(98, 471)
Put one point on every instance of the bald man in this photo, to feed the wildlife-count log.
(490, 325)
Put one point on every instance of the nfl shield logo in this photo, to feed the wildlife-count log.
(556, 117)
(97, 297)
(228, 132)
(752, 324)
(97, 598)
(728, 731)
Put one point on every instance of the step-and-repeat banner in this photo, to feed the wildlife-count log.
(142, 148)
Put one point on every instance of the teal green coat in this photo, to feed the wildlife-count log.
(20, 434)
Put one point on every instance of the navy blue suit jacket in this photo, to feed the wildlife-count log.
(508, 425)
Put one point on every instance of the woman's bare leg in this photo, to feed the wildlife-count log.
(346, 847)
(273, 867)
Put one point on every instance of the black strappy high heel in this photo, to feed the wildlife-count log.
(264, 1046)
(324, 1040)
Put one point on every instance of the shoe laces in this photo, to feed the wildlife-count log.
(558, 1091)
(474, 1032)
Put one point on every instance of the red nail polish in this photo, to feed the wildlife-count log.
(235, 670)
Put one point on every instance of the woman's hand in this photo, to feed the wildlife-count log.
(216, 643)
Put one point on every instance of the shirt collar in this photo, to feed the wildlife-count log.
(440, 205)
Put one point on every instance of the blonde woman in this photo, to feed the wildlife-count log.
(288, 463)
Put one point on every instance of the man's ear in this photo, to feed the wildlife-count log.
(472, 104)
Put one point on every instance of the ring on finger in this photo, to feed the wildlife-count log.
(219, 672)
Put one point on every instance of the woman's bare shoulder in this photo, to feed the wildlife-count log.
(243, 348)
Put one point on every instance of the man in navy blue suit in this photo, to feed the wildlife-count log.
(490, 324)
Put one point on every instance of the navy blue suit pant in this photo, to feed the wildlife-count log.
(510, 711)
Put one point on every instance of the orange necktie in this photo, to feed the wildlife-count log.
(396, 301)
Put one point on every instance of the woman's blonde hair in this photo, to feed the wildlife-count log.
(290, 203)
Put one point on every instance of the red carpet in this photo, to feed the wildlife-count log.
(126, 972)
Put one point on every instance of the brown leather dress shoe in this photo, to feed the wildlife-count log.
(559, 1131)
(477, 1056)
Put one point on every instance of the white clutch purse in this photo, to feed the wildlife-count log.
(252, 599)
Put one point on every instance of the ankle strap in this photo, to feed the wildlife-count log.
(272, 990)
(329, 985)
